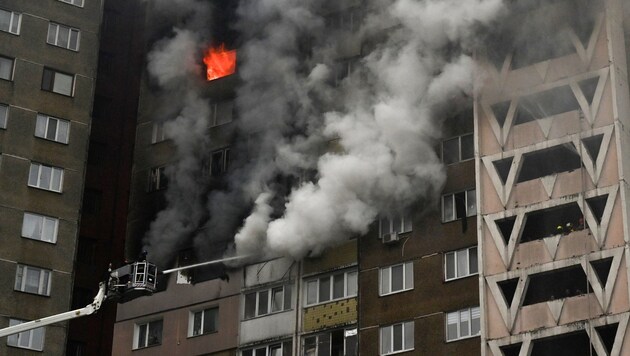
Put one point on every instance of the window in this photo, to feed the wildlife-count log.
(220, 162)
(157, 179)
(51, 128)
(57, 82)
(32, 280)
(222, 113)
(267, 301)
(459, 205)
(278, 349)
(6, 68)
(78, 3)
(336, 342)
(332, 287)
(158, 132)
(395, 224)
(4, 115)
(45, 177)
(148, 334)
(397, 338)
(458, 149)
(32, 339)
(396, 278)
(462, 324)
(39, 227)
(63, 36)
(10, 21)
(461, 263)
(203, 322)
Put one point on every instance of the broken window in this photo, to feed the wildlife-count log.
(575, 343)
(557, 284)
(157, 179)
(459, 205)
(553, 160)
(220, 162)
(394, 224)
(341, 342)
(545, 104)
(562, 219)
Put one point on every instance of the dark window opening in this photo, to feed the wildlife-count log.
(558, 284)
(503, 167)
(602, 269)
(562, 219)
(597, 205)
(607, 333)
(593, 144)
(505, 227)
(588, 87)
(219, 162)
(553, 160)
(508, 288)
(336, 346)
(512, 350)
(500, 111)
(545, 104)
(572, 344)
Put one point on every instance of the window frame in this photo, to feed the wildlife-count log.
(406, 224)
(280, 345)
(39, 173)
(287, 290)
(57, 35)
(459, 322)
(224, 164)
(137, 329)
(157, 175)
(459, 148)
(4, 115)
(40, 117)
(406, 267)
(42, 227)
(44, 283)
(454, 205)
(12, 71)
(14, 340)
(217, 109)
(54, 74)
(329, 333)
(191, 321)
(455, 255)
(390, 328)
(331, 291)
(72, 2)
(157, 132)
(12, 15)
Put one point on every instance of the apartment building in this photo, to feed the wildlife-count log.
(48, 60)
(552, 168)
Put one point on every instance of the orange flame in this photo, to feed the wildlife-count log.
(219, 62)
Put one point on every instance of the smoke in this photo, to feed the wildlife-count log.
(323, 146)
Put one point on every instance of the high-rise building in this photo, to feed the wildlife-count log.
(48, 63)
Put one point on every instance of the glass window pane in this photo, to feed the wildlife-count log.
(311, 292)
(261, 351)
(33, 174)
(6, 68)
(351, 345)
(246, 353)
(4, 111)
(56, 179)
(38, 338)
(277, 301)
(155, 333)
(40, 125)
(451, 326)
(448, 208)
(197, 319)
(338, 286)
(275, 350)
(450, 265)
(409, 326)
(51, 132)
(263, 302)
(62, 131)
(471, 203)
(464, 325)
(50, 227)
(397, 278)
(462, 263)
(310, 346)
(62, 37)
(352, 284)
(142, 335)
(31, 226)
(45, 281)
(450, 151)
(62, 84)
(472, 265)
(386, 340)
(15, 25)
(468, 149)
(398, 337)
(250, 305)
(409, 275)
(52, 32)
(323, 347)
(324, 289)
(32, 280)
(74, 40)
(210, 318)
(287, 297)
(5, 20)
(44, 177)
(385, 280)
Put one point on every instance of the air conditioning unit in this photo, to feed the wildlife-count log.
(390, 238)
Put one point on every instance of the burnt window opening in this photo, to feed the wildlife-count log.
(597, 205)
(500, 111)
(607, 334)
(508, 289)
(220, 160)
(503, 167)
(593, 145)
(553, 160)
(546, 104)
(557, 284)
(589, 86)
(512, 350)
(562, 219)
(602, 269)
(571, 344)
(505, 227)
